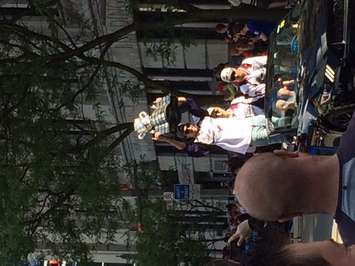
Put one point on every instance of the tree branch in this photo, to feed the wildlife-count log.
(114, 144)
(147, 82)
(108, 38)
(206, 205)
(103, 134)
(141, 77)
(90, 81)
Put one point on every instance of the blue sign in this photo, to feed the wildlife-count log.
(181, 192)
(322, 150)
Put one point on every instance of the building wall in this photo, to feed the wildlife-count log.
(126, 52)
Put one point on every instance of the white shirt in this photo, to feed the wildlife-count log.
(242, 108)
(256, 68)
(256, 62)
(253, 90)
(254, 86)
(230, 134)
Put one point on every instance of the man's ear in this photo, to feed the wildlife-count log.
(286, 154)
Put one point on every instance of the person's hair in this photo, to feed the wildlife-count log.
(230, 183)
(243, 43)
(180, 129)
(232, 206)
(229, 206)
(284, 257)
(237, 27)
(237, 162)
(220, 27)
(218, 69)
(214, 111)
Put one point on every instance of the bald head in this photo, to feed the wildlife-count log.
(266, 186)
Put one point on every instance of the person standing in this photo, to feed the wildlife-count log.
(231, 134)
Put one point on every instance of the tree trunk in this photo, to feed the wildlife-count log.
(105, 133)
(150, 84)
(118, 141)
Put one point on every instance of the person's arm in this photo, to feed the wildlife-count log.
(242, 233)
(245, 228)
(177, 144)
(256, 61)
(218, 112)
(335, 254)
(189, 104)
(256, 224)
(192, 149)
(253, 40)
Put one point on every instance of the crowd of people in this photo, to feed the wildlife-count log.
(248, 240)
(241, 127)
(270, 188)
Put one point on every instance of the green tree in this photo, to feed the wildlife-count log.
(59, 184)
(166, 242)
(169, 236)
(59, 178)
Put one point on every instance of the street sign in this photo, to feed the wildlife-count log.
(181, 192)
(168, 197)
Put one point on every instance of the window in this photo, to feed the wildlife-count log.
(282, 74)
(220, 166)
